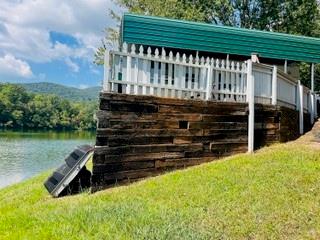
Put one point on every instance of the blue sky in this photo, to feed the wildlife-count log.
(52, 40)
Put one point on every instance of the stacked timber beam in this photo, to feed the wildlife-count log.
(140, 136)
(267, 125)
(289, 124)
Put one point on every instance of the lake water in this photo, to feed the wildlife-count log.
(25, 154)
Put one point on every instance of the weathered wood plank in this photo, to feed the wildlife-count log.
(163, 101)
(219, 110)
(122, 166)
(142, 124)
(107, 115)
(113, 141)
(128, 107)
(227, 118)
(149, 132)
(152, 148)
(210, 138)
(218, 125)
(102, 159)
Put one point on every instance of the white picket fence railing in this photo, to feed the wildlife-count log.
(229, 81)
(147, 71)
(165, 74)
(287, 91)
(272, 83)
(263, 83)
(143, 72)
(174, 75)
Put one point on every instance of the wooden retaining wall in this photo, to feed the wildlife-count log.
(141, 136)
(289, 124)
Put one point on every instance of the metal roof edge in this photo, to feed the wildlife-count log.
(294, 36)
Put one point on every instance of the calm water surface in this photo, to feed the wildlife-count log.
(25, 154)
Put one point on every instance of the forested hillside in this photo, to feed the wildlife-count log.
(70, 93)
(20, 109)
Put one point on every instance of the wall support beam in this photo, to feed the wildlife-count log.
(250, 97)
(274, 85)
(312, 77)
(312, 96)
(300, 107)
(106, 69)
(312, 107)
(209, 83)
(286, 66)
(315, 106)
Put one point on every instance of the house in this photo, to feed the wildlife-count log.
(181, 93)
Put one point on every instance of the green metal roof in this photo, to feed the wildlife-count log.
(163, 32)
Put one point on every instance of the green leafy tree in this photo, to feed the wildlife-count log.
(85, 118)
(19, 109)
(13, 109)
(289, 16)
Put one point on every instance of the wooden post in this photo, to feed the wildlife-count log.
(106, 86)
(312, 101)
(300, 106)
(128, 65)
(315, 106)
(312, 77)
(135, 69)
(286, 66)
(250, 97)
(163, 75)
(312, 107)
(209, 80)
(178, 82)
(151, 89)
(144, 71)
(274, 85)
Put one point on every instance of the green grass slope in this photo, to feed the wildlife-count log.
(273, 194)
(70, 93)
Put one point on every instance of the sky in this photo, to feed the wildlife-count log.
(52, 40)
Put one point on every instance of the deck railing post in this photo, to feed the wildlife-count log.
(312, 107)
(106, 69)
(285, 68)
(274, 85)
(300, 106)
(250, 97)
(315, 106)
(312, 101)
(128, 68)
(209, 81)
(312, 77)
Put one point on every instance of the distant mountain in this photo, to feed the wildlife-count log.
(70, 93)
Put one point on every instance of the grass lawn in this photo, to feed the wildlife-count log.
(273, 194)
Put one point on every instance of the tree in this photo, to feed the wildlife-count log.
(288, 16)
(19, 109)
(13, 110)
(212, 11)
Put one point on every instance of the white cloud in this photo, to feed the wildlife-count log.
(11, 66)
(25, 27)
(72, 65)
